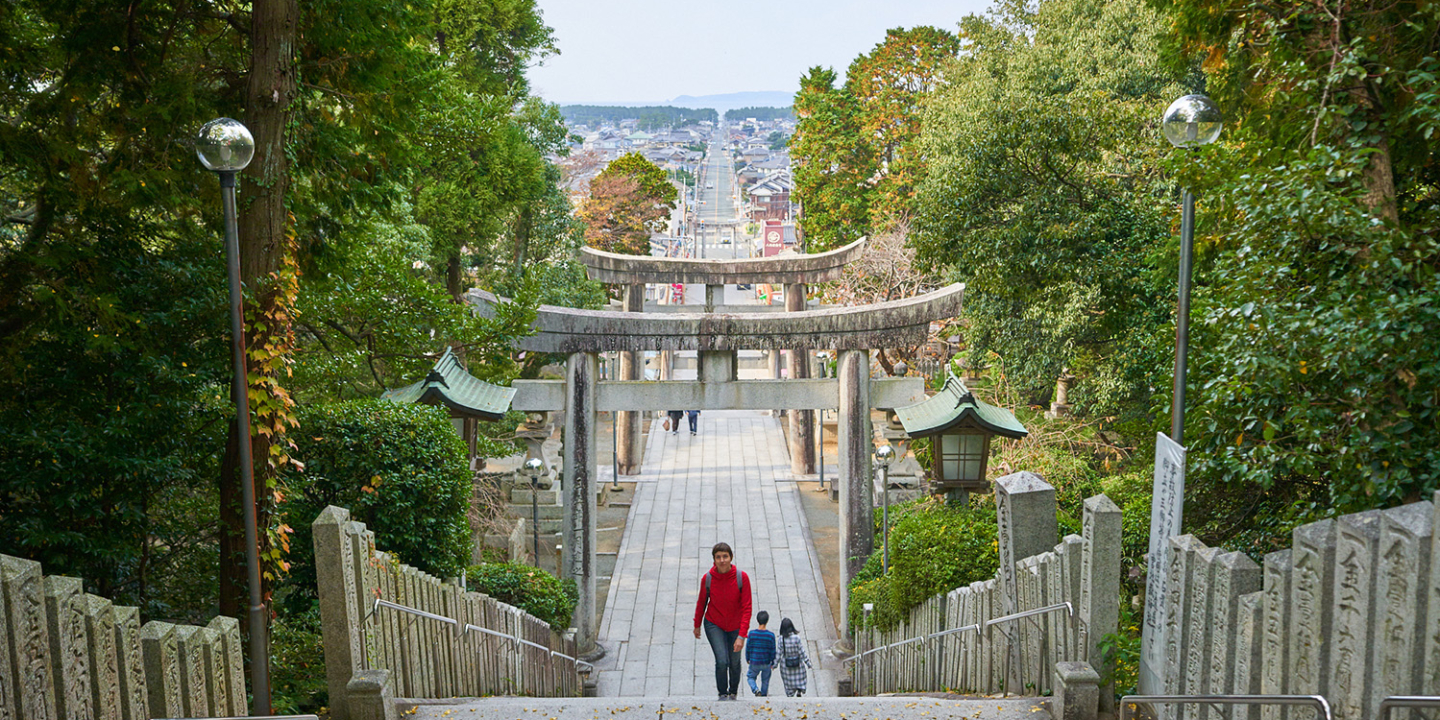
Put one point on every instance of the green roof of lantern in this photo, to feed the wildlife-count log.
(956, 406)
(450, 385)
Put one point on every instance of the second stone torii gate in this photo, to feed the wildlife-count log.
(852, 331)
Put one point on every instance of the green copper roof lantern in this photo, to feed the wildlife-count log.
(450, 385)
(962, 426)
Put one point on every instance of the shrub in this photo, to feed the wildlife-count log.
(935, 547)
(938, 548)
(400, 469)
(531, 589)
(297, 673)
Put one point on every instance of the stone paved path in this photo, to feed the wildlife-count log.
(730, 483)
(706, 708)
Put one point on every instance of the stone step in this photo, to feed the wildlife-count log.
(892, 707)
(521, 496)
(547, 512)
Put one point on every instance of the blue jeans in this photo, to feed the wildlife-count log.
(762, 670)
(694, 416)
(727, 661)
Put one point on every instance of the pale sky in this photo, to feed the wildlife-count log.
(654, 50)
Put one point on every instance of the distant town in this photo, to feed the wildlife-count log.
(755, 146)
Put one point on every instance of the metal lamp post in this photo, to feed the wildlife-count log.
(225, 146)
(533, 469)
(1188, 123)
(883, 455)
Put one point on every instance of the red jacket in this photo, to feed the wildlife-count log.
(729, 606)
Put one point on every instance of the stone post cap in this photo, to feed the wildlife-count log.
(1023, 482)
(368, 682)
(1076, 672)
(1101, 504)
(332, 515)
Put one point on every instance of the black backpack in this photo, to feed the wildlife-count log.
(791, 661)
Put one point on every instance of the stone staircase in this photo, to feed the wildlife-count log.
(896, 707)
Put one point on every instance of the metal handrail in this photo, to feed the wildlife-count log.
(1322, 707)
(1407, 701)
(1069, 609)
(907, 641)
(1030, 615)
(461, 630)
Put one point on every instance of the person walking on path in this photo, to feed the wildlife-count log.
(791, 658)
(675, 417)
(723, 610)
(760, 653)
(694, 419)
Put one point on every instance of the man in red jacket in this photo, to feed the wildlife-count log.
(724, 606)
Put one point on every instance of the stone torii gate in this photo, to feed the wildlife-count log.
(852, 331)
(795, 272)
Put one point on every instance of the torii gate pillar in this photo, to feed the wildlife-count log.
(802, 434)
(579, 490)
(627, 432)
(857, 523)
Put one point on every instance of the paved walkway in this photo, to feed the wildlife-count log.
(707, 708)
(730, 483)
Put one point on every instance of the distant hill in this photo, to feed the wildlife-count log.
(732, 101)
(651, 117)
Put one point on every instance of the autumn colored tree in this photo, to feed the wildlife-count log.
(831, 162)
(889, 86)
(629, 200)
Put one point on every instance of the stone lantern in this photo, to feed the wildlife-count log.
(961, 427)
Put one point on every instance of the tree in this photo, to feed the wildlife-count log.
(1041, 195)
(831, 163)
(629, 200)
(889, 84)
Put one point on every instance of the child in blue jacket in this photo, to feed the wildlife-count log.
(760, 653)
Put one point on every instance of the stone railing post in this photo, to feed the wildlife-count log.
(22, 614)
(1349, 675)
(101, 654)
(1077, 692)
(1099, 604)
(339, 611)
(371, 696)
(230, 665)
(133, 702)
(162, 669)
(1312, 591)
(68, 642)
(1407, 574)
(1235, 574)
(1025, 517)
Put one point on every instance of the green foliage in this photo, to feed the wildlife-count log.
(935, 547)
(113, 407)
(830, 163)
(777, 140)
(400, 469)
(629, 200)
(649, 117)
(1042, 196)
(297, 667)
(1123, 649)
(763, 114)
(529, 588)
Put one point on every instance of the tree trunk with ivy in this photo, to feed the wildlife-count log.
(268, 271)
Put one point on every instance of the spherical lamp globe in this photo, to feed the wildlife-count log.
(884, 454)
(224, 145)
(1191, 121)
(534, 468)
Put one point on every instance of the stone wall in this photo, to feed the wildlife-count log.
(374, 653)
(1036, 572)
(64, 653)
(1351, 611)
